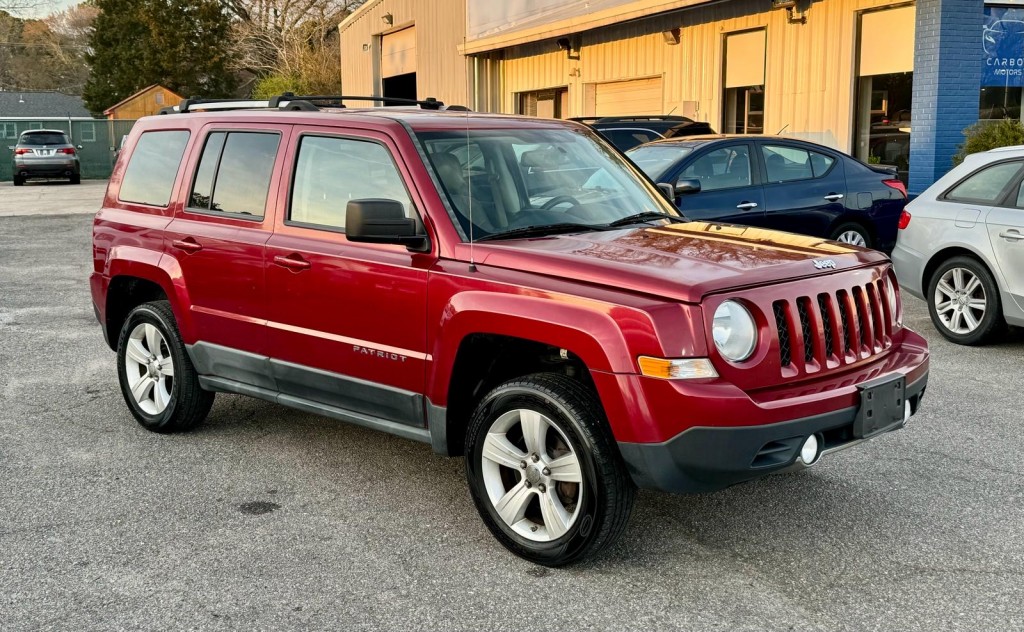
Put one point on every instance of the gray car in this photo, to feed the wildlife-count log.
(961, 247)
(45, 153)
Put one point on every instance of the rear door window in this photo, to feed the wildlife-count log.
(153, 166)
(234, 172)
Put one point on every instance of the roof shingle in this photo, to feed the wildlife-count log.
(41, 104)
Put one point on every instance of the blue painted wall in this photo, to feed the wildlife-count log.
(947, 82)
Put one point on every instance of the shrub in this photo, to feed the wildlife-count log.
(986, 135)
(274, 85)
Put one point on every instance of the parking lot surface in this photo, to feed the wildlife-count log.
(269, 519)
(51, 198)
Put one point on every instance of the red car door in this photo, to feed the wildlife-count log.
(346, 321)
(217, 237)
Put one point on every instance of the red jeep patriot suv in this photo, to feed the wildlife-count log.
(507, 289)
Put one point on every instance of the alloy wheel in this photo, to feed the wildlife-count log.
(853, 238)
(960, 300)
(532, 475)
(150, 368)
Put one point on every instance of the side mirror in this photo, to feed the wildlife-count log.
(381, 221)
(687, 186)
(80, 147)
(668, 191)
(11, 147)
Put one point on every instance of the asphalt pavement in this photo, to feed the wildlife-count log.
(270, 519)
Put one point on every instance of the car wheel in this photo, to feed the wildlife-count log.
(853, 234)
(544, 470)
(76, 179)
(964, 302)
(18, 181)
(157, 378)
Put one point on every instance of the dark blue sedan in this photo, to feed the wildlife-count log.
(778, 183)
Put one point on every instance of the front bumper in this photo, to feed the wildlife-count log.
(704, 459)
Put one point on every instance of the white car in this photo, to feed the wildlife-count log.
(961, 247)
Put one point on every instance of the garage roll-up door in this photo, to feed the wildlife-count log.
(887, 41)
(744, 59)
(398, 53)
(622, 98)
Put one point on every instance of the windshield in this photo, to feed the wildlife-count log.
(511, 179)
(44, 138)
(656, 160)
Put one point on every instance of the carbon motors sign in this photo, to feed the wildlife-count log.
(1002, 37)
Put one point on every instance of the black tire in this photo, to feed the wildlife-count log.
(853, 227)
(76, 179)
(18, 181)
(991, 324)
(607, 492)
(189, 403)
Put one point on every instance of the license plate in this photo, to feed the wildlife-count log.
(44, 152)
(882, 406)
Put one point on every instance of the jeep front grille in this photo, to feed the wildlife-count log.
(833, 328)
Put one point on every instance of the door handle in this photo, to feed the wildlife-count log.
(1012, 235)
(292, 262)
(187, 244)
(834, 197)
(746, 206)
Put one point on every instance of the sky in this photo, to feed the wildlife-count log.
(46, 7)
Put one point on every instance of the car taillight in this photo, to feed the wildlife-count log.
(898, 185)
(21, 152)
(904, 219)
(67, 150)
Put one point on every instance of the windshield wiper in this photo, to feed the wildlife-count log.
(540, 230)
(646, 216)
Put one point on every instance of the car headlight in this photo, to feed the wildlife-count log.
(734, 331)
(894, 303)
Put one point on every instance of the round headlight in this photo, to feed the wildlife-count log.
(890, 293)
(734, 331)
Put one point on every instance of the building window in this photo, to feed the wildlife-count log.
(553, 103)
(35, 126)
(10, 130)
(884, 88)
(743, 100)
(88, 133)
(1002, 77)
(159, 98)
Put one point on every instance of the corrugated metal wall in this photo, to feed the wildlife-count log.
(809, 75)
(440, 29)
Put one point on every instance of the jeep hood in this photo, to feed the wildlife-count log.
(680, 261)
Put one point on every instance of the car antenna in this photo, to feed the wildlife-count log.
(782, 130)
(469, 188)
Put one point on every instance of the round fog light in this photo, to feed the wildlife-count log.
(809, 450)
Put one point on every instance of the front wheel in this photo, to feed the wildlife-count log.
(544, 471)
(158, 381)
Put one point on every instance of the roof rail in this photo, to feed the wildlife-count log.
(291, 102)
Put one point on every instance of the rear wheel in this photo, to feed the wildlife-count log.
(76, 179)
(544, 471)
(964, 302)
(853, 234)
(158, 381)
(18, 181)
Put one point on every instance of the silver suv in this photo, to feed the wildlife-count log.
(45, 153)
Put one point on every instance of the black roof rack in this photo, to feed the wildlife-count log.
(628, 119)
(291, 102)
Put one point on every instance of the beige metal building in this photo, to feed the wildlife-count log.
(835, 71)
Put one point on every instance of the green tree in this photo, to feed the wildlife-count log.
(181, 44)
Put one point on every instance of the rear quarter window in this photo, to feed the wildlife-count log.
(152, 168)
